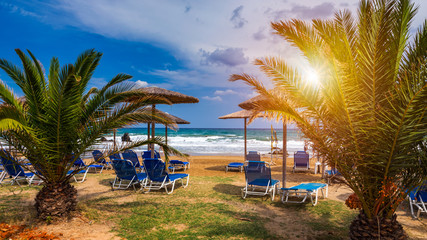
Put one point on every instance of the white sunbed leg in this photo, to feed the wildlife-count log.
(15, 179)
(317, 193)
(149, 188)
(274, 191)
(84, 176)
(173, 186)
(326, 189)
(144, 184)
(287, 195)
(182, 181)
(282, 197)
(30, 180)
(2, 176)
(423, 205)
(130, 183)
(245, 191)
(113, 184)
(411, 207)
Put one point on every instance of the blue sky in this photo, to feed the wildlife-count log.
(187, 46)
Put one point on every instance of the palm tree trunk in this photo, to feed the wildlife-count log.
(364, 228)
(56, 200)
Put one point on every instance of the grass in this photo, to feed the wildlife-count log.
(210, 208)
(189, 221)
(332, 216)
(14, 208)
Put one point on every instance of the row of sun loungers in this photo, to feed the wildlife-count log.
(152, 175)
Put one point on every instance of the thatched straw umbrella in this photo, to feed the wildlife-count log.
(245, 114)
(172, 118)
(170, 96)
(252, 104)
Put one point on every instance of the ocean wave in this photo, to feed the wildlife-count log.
(217, 145)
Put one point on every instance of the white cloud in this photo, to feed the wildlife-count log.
(228, 57)
(15, 9)
(216, 98)
(226, 92)
(183, 28)
(140, 84)
(322, 10)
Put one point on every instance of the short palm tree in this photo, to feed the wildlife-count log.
(59, 118)
(367, 115)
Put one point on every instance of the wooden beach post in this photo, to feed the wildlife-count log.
(284, 153)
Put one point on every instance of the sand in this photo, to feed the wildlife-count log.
(215, 166)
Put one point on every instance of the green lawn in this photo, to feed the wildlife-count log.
(210, 208)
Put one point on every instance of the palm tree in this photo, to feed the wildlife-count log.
(59, 118)
(367, 115)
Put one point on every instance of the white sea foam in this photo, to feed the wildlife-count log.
(216, 145)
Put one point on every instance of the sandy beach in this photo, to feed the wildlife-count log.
(96, 187)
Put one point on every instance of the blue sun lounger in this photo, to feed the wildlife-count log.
(126, 175)
(79, 163)
(159, 178)
(178, 164)
(80, 175)
(304, 190)
(418, 199)
(15, 171)
(234, 165)
(251, 156)
(301, 161)
(133, 157)
(147, 154)
(258, 180)
(98, 156)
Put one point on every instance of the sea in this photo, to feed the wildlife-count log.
(217, 141)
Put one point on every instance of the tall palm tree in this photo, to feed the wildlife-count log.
(367, 115)
(59, 118)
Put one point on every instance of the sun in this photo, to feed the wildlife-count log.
(312, 76)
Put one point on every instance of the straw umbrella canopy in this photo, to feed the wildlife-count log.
(170, 96)
(245, 114)
(251, 104)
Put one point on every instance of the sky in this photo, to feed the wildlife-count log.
(189, 46)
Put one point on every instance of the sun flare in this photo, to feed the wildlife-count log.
(312, 76)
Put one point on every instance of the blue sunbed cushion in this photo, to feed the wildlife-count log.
(416, 194)
(178, 162)
(141, 176)
(235, 164)
(96, 166)
(176, 176)
(79, 172)
(263, 182)
(29, 174)
(306, 186)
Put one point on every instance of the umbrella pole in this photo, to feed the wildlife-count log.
(285, 151)
(153, 126)
(166, 134)
(148, 136)
(244, 156)
(114, 138)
